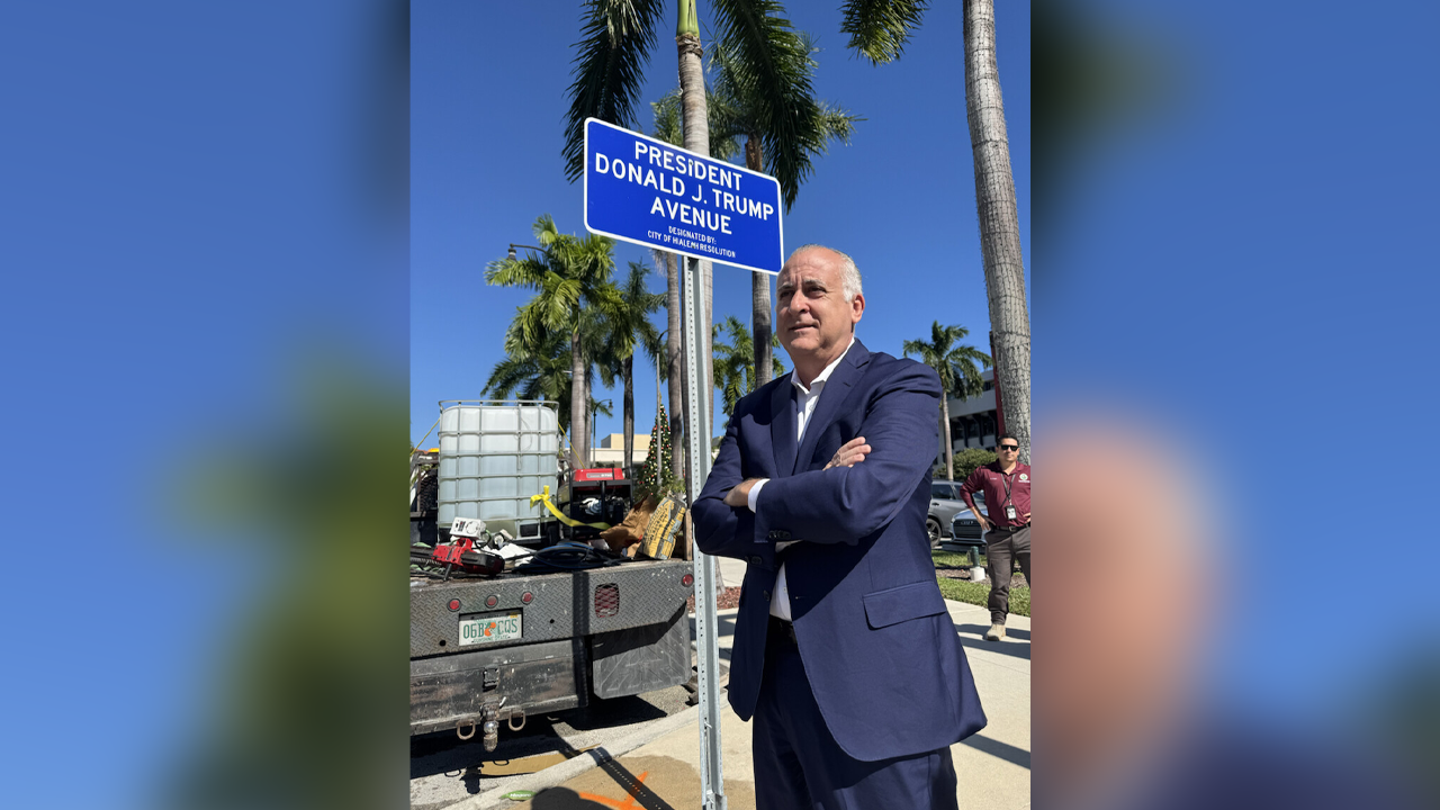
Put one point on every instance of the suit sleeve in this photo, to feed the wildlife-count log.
(721, 529)
(844, 504)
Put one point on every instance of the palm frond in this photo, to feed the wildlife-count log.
(879, 29)
(721, 120)
(766, 65)
(764, 72)
(527, 272)
(616, 38)
(835, 124)
(668, 119)
(955, 365)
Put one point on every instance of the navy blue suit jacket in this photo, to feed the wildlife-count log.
(879, 648)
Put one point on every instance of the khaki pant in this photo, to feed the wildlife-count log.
(1003, 548)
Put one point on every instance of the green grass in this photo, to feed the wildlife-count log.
(952, 559)
(975, 593)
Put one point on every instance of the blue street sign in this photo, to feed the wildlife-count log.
(645, 191)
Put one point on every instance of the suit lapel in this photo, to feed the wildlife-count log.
(832, 397)
(782, 426)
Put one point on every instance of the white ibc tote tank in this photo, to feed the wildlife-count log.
(494, 456)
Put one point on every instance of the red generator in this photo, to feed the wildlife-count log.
(598, 495)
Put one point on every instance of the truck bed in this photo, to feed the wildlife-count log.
(503, 647)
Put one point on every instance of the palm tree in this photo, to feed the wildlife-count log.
(879, 30)
(959, 375)
(539, 370)
(735, 362)
(616, 38)
(571, 276)
(628, 327)
(782, 125)
(668, 128)
(999, 221)
(674, 365)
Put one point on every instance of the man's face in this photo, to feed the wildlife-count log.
(814, 319)
(1009, 451)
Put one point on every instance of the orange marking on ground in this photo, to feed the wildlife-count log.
(628, 804)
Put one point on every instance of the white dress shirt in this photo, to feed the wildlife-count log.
(805, 402)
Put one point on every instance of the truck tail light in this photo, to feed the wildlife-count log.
(687, 580)
(454, 604)
(607, 600)
(526, 597)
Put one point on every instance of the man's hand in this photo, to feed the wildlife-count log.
(851, 453)
(739, 495)
(984, 524)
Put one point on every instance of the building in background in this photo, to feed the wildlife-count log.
(973, 421)
(611, 452)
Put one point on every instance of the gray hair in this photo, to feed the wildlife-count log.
(849, 274)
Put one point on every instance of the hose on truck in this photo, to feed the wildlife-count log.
(568, 556)
(565, 556)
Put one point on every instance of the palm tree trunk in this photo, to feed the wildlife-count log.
(627, 373)
(579, 404)
(949, 446)
(999, 221)
(759, 286)
(697, 139)
(675, 364)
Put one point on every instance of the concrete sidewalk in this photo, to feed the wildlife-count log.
(993, 766)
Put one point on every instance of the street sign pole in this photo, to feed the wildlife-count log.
(707, 646)
(651, 193)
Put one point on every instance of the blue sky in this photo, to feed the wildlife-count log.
(489, 95)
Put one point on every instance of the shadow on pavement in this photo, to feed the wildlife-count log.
(559, 798)
(606, 713)
(1009, 648)
(638, 796)
(972, 637)
(443, 752)
(724, 625)
(979, 630)
(1000, 750)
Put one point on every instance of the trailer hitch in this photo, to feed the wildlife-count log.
(491, 724)
(492, 730)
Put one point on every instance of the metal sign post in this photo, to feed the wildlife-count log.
(707, 644)
(661, 196)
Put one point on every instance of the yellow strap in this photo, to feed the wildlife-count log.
(427, 435)
(544, 497)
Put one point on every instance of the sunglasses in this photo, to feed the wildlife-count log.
(1010, 447)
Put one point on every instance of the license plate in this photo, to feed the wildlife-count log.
(489, 628)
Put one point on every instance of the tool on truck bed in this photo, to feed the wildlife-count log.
(473, 551)
(472, 548)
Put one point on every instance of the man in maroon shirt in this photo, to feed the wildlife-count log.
(1006, 484)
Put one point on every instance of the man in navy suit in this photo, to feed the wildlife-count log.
(844, 653)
